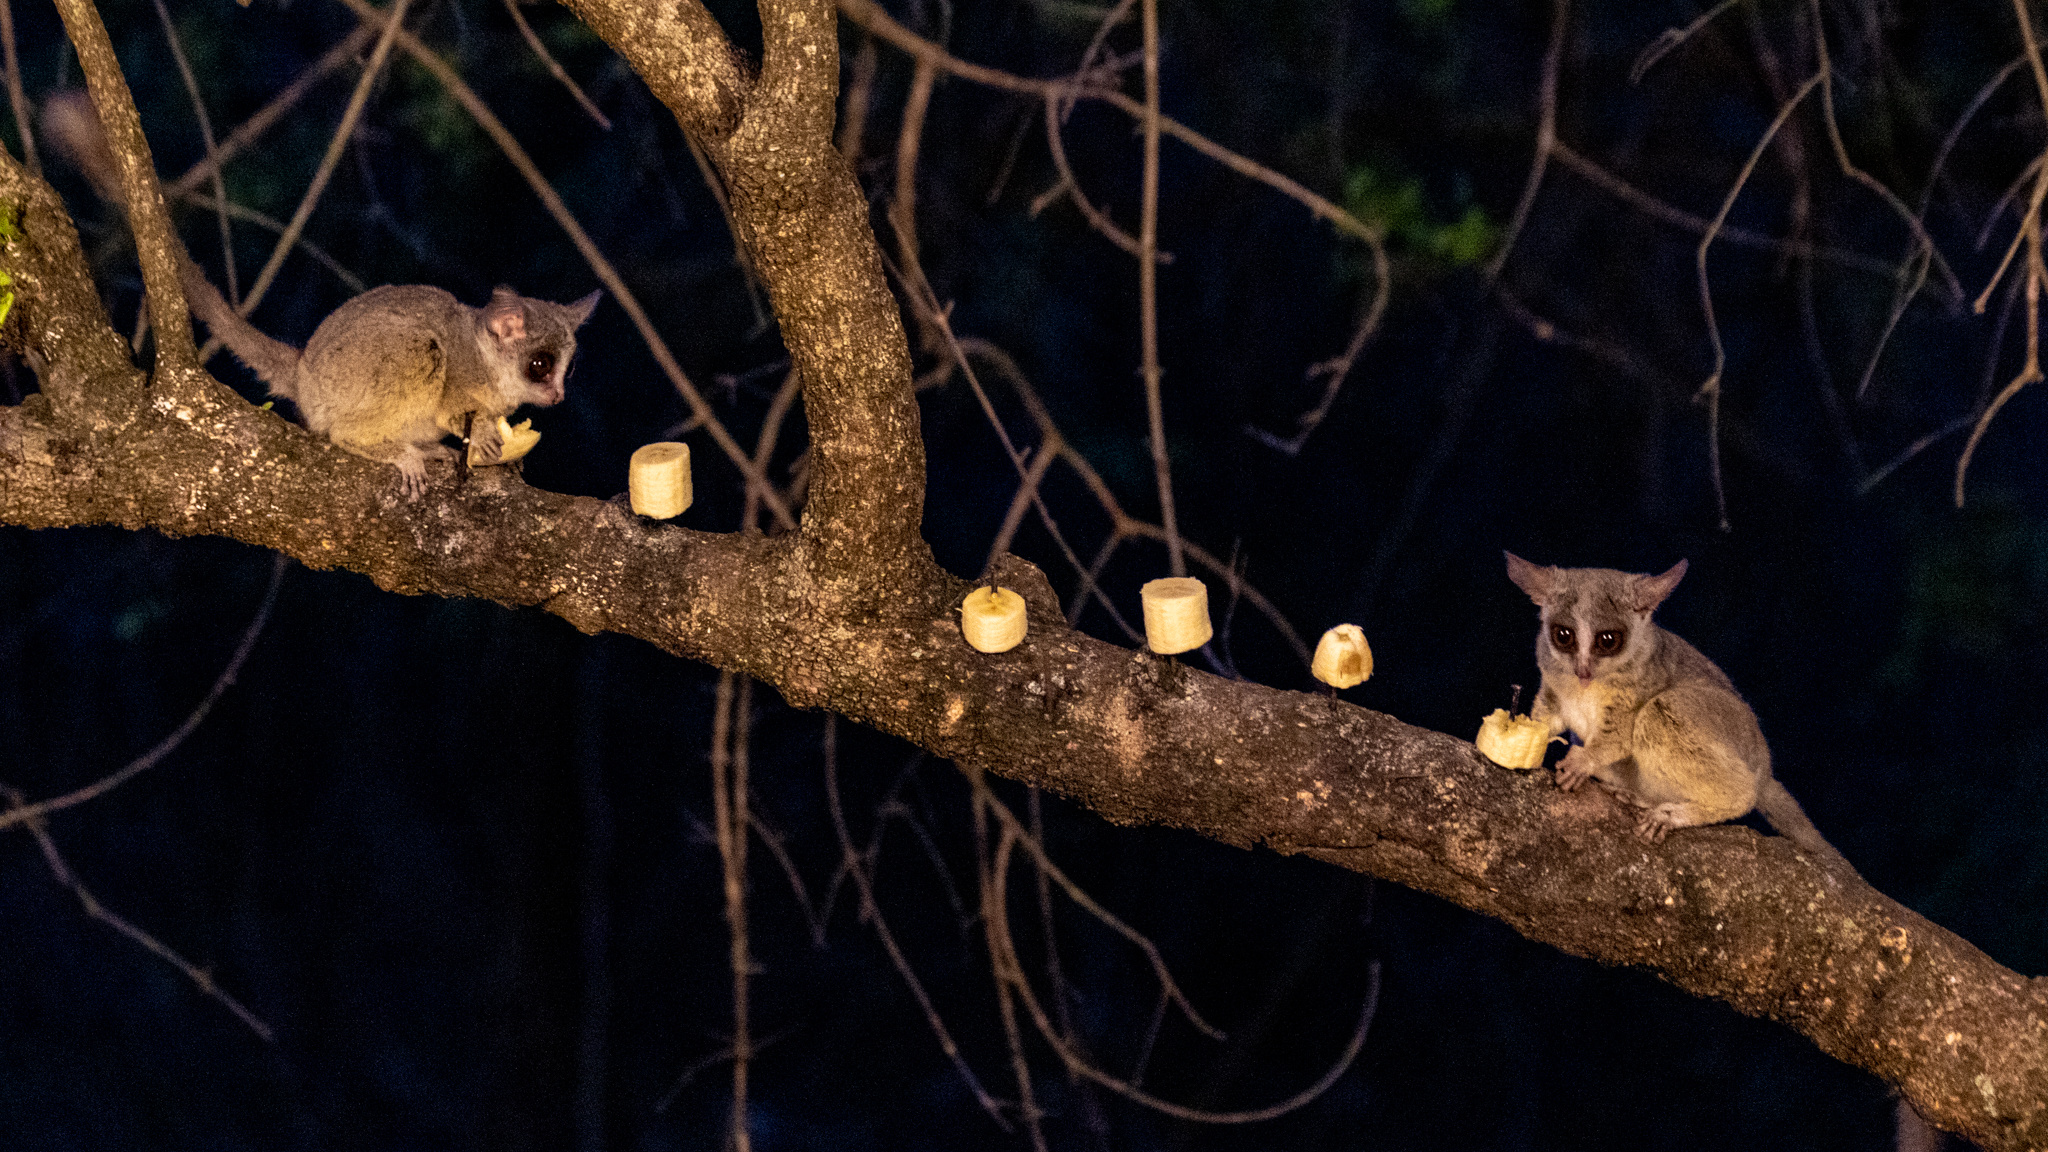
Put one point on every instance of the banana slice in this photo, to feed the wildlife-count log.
(992, 619)
(1343, 658)
(1176, 614)
(1514, 741)
(517, 440)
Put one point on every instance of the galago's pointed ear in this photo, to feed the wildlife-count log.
(505, 315)
(1531, 578)
(581, 310)
(1650, 591)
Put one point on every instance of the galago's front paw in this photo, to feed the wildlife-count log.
(1575, 769)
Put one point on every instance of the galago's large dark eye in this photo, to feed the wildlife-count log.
(1608, 641)
(1561, 637)
(540, 367)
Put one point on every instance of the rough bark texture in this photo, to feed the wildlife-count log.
(850, 614)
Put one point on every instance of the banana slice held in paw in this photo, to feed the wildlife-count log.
(517, 440)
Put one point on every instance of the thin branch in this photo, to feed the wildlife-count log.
(247, 132)
(1027, 494)
(17, 99)
(772, 840)
(740, 256)
(21, 813)
(870, 16)
(1711, 390)
(1148, 294)
(1670, 39)
(903, 202)
(1077, 1063)
(1729, 234)
(1913, 277)
(994, 876)
(2027, 173)
(764, 443)
(2030, 371)
(220, 195)
(344, 132)
(872, 913)
(1914, 449)
(318, 254)
(1546, 136)
(858, 96)
(1070, 187)
(1850, 169)
(453, 83)
(927, 306)
(554, 68)
(1168, 986)
(1955, 131)
(730, 721)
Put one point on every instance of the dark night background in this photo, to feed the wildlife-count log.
(459, 856)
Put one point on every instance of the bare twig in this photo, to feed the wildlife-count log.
(995, 879)
(1546, 136)
(1671, 38)
(1955, 131)
(1911, 277)
(554, 69)
(872, 913)
(1035, 848)
(772, 840)
(248, 131)
(1070, 187)
(318, 254)
(200, 977)
(764, 444)
(1850, 169)
(2030, 371)
(1711, 390)
(1914, 449)
(24, 812)
(17, 99)
(1729, 234)
(220, 195)
(903, 202)
(1080, 1065)
(870, 16)
(343, 133)
(730, 722)
(1148, 294)
(859, 96)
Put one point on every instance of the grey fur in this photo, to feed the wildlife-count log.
(392, 371)
(1659, 724)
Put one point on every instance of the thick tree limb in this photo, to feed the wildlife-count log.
(850, 614)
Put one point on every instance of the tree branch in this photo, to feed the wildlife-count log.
(849, 614)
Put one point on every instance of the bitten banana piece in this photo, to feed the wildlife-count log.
(1514, 741)
(1343, 658)
(517, 440)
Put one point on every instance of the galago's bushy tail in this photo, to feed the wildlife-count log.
(275, 362)
(1789, 819)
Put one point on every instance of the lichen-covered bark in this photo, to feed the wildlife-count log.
(850, 614)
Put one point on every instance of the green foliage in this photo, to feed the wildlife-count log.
(1430, 14)
(1400, 207)
(1978, 583)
